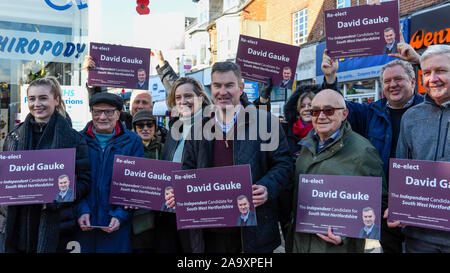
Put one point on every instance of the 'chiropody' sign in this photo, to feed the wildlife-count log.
(24, 45)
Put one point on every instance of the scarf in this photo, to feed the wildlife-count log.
(301, 129)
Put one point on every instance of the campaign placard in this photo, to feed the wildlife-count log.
(362, 30)
(419, 193)
(261, 59)
(351, 205)
(142, 182)
(214, 197)
(37, 176)
(119, 66)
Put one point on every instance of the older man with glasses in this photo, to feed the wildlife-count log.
(332, 148)
(105, 227)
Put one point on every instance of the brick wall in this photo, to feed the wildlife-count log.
(409, 6)
(279, 16)
(256, 11)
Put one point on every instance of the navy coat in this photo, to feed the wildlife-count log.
(272, 169)
(124, 142)
(373, 122)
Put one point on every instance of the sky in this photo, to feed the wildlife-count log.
(121, 24)
(162, 6)
(117, 22)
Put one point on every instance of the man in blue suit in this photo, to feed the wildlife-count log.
(247, 217)
(142, 79)
(370, 230)
(66, 193)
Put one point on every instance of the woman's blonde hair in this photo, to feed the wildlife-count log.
(309, 95)
(55, 89)
(197, 88)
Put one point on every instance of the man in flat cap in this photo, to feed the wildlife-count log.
(105, 227)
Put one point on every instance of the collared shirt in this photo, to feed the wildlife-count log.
(321, 145)
(227, 127)
(245, 218)
(410, 102)
(141, 84)
(390, 47)
(368, 231)
(62, 194)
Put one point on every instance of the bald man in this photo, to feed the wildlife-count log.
(332, 148)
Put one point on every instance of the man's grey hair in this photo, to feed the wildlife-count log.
(435, 50)
(63, 176)
(240, 197)
(407, 67)
(368, 209)
(388, 29)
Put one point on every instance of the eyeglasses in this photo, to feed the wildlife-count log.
(329, 111)
(107, 112)
(142, 125)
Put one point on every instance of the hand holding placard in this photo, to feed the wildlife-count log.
(88, 63)
(392, 224)
(329, 67)
(406, 52)
(84, 222)
(170, 200)
(330, 237)
(113, 225)
(259, 195)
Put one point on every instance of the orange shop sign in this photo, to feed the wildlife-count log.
(423, 39)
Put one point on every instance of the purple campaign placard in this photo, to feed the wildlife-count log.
(119, 66)
(142, 182)
(261, 59)
(419, 193)
(37, 176)
(214, 197)
(339, 202)
(360, 31)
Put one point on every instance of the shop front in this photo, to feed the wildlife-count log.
(41, 38)
(429, 27)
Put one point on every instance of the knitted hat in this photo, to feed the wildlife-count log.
(143, 115)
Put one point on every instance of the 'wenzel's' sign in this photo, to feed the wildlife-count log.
(421, 38)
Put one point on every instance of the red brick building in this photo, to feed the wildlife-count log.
(281, 16)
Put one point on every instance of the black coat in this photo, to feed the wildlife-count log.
(291, 114)
(58, 219)
(272, 169)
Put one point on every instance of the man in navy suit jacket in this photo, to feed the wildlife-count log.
(142, 79)
(65, 193)
(370, 230)
(247, 217)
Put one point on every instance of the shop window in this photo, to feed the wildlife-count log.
(363, 91)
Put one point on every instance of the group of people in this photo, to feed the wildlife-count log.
(323, 134)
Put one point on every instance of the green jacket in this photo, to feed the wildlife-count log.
(154, 149)
(349, 154)
(143, 220)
